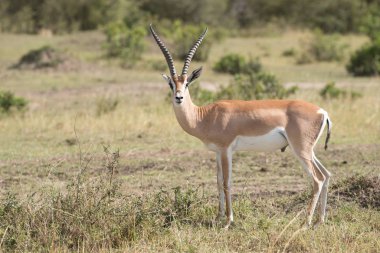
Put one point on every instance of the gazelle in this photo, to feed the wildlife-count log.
(265, 125)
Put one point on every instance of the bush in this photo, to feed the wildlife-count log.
(322, 48)
(236, 64)
(330, 91)
(255, 86)
(200, 95)
(365, 61)
(9, 101)
(125, 43)
(231, 64)
(370, 24)
(289, 52)
(183, 36)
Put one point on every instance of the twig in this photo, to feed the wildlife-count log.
(287, 226)
(2, 239)
(292, 237)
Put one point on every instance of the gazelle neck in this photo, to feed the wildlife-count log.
(187, 114)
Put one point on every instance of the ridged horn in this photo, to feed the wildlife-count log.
(165, 51)
(191, 53)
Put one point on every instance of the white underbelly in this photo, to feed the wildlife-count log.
(268, 142)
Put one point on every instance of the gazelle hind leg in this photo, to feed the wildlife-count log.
(318, 182)
(323, 197)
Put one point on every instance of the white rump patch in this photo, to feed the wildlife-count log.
(268, 142)
(321, 111)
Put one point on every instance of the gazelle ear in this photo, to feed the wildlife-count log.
(194, 75)
(168, 80)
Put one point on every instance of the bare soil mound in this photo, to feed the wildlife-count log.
(47, 58)
(363, 190)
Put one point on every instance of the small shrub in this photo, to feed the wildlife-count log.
(126, 43)
(365, 61)
(330, 91)
(183, 36)
(105, 105)
(322, 48)
(289, 52)
(253, 66)
(200, 95)
(237, 64)
(44, 57)
(255, 86)
(8, 101)
(231, 64)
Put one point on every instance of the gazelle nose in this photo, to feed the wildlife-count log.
(178, 95)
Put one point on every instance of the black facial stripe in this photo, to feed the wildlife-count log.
(171, 85)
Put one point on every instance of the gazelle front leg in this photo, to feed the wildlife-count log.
(226, 161)
(221, 211)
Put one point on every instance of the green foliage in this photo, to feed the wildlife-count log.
(58, 16)
(340, 16)
(370, 23)
(330, 16)
(235, 64)
(201, 96)
(255, 86)
(8, 102)
(105, 105)
(322, 48)
(125, 43)
(183, 37)
(195, 12)
(44, 57)
(231, 64)
(365, 61)
(250, 82)
(330, 91)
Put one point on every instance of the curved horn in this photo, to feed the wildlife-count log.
(165, 51)
(191, 53)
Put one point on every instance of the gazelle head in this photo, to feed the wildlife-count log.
(179, 83)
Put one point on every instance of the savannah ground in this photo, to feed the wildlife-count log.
(63, 134)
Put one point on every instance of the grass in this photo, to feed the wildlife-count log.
(44, 149)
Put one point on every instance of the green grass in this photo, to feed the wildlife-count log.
(41, 151)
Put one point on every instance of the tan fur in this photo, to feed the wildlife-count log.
(219, 123)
